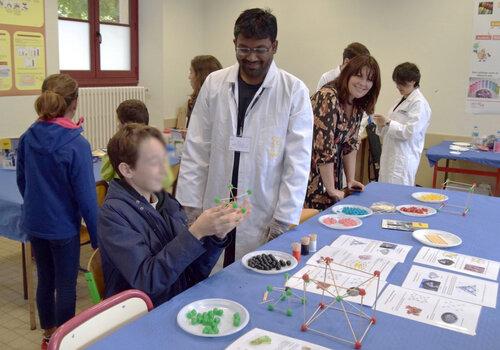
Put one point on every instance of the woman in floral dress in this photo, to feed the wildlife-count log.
(338, 109)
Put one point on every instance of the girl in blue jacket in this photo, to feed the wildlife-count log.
(144, 239)
(56, 180)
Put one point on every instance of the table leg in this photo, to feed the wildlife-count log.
(434, 175)
(29, 279)
(446, 170)
(25, 286)
(497, 184)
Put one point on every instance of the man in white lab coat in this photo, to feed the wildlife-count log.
(352, 50)
(251, 127)
(403, 131)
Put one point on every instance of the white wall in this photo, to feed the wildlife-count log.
(436, 35)
(170, 35)
(312, 34)
(17, 112)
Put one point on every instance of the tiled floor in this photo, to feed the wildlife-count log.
(15, 332)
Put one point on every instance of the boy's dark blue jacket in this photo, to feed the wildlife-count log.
(151, 249)
(56, 180)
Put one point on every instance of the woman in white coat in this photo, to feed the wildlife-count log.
(403, 131)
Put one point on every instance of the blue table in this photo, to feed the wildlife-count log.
(480, 231)
(11, 203)
(442, 151)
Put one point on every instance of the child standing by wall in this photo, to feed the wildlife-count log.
(55, 178)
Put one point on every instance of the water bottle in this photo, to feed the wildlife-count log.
(475, 135)
(496, 145)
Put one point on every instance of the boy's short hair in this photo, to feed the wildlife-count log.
(354, 49)
(405, 73)
(124, 145)
(133, 111)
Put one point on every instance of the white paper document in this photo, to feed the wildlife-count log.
(266, 340)
(366, 246)
(431, 309)
(452, 285)
(344, 281)
(348, 261)
(469, 265)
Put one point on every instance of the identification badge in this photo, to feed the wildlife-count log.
(240, 144)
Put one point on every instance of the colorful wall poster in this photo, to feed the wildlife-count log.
(5, 61)
(22, 12)
(483, 90)
(29, 58)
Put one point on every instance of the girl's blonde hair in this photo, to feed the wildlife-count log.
(58, 91)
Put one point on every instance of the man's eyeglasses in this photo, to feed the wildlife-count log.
(245, 51)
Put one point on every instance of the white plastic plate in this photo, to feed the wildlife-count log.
(338, 210)
(277, 254)
(226, 323)
(462, 144)
(431, 237)
(430, 211)
(337, 225)
(418, 196)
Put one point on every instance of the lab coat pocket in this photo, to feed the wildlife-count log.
(272, 143)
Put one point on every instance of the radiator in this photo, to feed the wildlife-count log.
(98, 107)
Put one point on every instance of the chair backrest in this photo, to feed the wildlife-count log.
(101, 188)
(94, 266)
(307, 213)
(100, 320)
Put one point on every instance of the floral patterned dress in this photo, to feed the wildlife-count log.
(335, 135)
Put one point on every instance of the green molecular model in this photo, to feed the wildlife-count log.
(285, 294)
(233, 200)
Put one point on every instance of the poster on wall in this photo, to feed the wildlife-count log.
(5, 61)
(483, 83)
(22, 47)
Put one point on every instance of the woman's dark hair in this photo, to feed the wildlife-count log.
(202, 66)
(405, 73)
(354, 67)
(257, 24)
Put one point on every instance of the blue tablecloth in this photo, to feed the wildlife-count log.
(442, 151)
(480, 231)
(11, 202)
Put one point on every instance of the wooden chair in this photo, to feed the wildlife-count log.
(95, 277)
(307, 213)
(100, 320)
(101, 188)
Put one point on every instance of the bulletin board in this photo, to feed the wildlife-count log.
(22, 47)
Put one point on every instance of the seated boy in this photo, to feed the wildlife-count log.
(131, 111)
(144, 240)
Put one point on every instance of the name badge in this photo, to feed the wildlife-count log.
(240, 144)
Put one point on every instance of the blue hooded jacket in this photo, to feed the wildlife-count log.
(151, 249)
(56, 180)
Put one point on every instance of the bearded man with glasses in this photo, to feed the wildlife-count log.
(251, 129)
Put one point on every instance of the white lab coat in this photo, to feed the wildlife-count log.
(403, 140)
(276, 169)
(327, 77)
